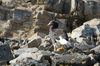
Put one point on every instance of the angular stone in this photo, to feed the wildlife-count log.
(34, 41)
(5, 53)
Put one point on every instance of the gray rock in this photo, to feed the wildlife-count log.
(88, 40)
(28, 61)
(93, 22)
(8, 3)
(83, 46)
(96, 49)
(39, 57)
(46, 44)
(82, 31)
(25, 50)
(5, 53)
(92, 8)
(74, 59)
(97, 30)
(21, 15)
(34, 42)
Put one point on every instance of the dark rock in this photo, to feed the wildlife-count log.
(21, 15)
(5, 53)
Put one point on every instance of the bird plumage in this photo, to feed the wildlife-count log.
(63, 41)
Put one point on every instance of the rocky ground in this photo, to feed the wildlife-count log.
(24, 34)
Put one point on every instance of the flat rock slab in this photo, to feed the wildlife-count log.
(74, 59)
(5, 53)
(25, 50)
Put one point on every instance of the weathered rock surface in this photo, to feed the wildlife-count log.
(96, 49)
(25, 50)
(34, 41)
(5, 53)
(82, 31)
(71, 59)
(38, 58)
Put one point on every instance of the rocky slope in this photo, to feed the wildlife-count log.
(24, 33)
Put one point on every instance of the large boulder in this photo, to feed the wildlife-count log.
(5, 53)
(82, 31)
(95, 24)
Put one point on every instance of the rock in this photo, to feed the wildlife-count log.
(82, 31)
(96, 30)
(96, 64)
(25, 50)
(26, 62)
(34, 41)
(5, 14)
(51, 5)
(92, 9)
(88, 40)
(83, 46)
(46, 44)
(93, 22)
(41, 22)
(74, 59)
(21, 15)
(96, 49)
(5, 53)
(39, 56)
(8, 3)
